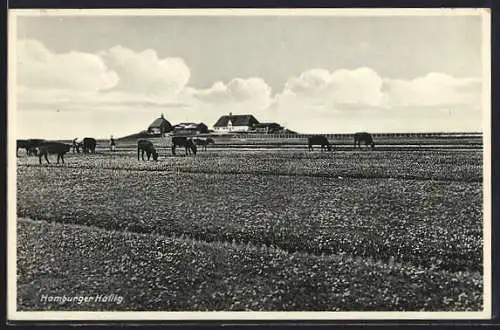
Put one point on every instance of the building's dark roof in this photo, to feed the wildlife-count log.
(201, 127)
(160, 123)
(189, 126)
(236, 120)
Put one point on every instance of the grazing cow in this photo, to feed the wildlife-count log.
(148, 147)
(318, 140)
(204, 142)
(50, 147)
(363, 137)
(89, 145)
(183, 141)
(30, 145)
(23, 144)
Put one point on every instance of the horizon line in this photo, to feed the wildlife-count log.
(297, 133)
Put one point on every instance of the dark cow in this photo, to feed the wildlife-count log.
(319, 140)
(50, 147)
(203, 142)
(363, 137)
(148, 147)
(23, 144)
(182, 141)
(89, 145)
(30, 145)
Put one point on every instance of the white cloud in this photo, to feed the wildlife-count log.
(251, 89)
(364, 88)
(323, 101)
(310, 83)
(349, 100)
(144, 72)
(216, 94)
(75, 76)
(435, 90)
(253, 92)
(361, 87)
(38, 67)
(85, 93)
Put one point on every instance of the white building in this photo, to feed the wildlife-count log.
(235, 123)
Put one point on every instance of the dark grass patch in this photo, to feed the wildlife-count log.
(157, 273)
(430, 165)
(429, 223)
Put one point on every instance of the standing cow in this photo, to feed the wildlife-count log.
(148, 147)
(363, 137)
(89, 145)
(318, 140)
(183, 141)
(53, 148)
(30, 145)
(204, 142)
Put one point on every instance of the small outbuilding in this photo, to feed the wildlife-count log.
(268, 128)
(190, 128)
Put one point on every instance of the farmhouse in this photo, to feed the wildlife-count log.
(235, 123)
(160, 126)
(268, 128)
(190, 128)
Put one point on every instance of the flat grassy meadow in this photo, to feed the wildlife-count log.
(259, 230)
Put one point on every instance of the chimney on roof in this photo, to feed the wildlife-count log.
(230, 113)
(162, 116)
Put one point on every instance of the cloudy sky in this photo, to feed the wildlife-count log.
(101, 75)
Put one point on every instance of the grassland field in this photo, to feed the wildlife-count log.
(267, 229)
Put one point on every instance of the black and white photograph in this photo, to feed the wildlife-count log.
(249, 164)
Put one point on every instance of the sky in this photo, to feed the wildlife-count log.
(102, 75)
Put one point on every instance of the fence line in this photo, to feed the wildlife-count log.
(342, 136)
(302, 138)
(295, 137)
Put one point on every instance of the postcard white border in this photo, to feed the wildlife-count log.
(14, 315)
